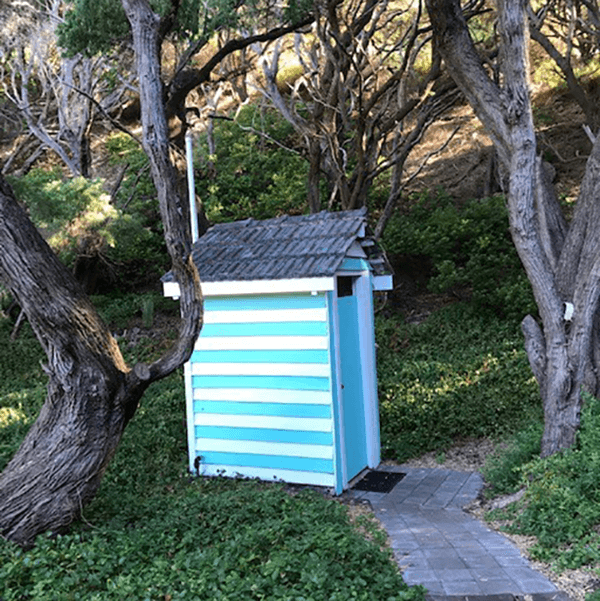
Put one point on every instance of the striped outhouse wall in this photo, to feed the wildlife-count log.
(259, 389)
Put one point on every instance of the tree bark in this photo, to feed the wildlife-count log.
(562, 263)
(91, 394)
(313, 185)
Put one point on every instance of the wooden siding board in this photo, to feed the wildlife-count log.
(259, 447)
(313, 370)
(265, 435)
(306, 424)
(265, 410)
(266, 302)
(235, 287)
(305, 464)
(263, 395)
(260, 356)
(290, 328)
(265, 316)
(285, 475)
(261, 343)
(272, 382)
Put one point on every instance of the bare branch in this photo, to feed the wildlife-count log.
(188, 79)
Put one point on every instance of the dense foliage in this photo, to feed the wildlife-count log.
(95, 26)
(255, 172)
(458, 374)
(502, 469)
(155, 533)
(121, 241)
(469, 246)
(22, 388)
(561, 506)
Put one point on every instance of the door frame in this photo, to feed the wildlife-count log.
(363, 290)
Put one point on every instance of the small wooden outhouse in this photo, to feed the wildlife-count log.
(282, 381)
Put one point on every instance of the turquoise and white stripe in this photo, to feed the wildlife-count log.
(260, 381)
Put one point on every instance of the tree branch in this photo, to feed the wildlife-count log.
(188, 79)
(171, 191)
(535, 347)
(453, 42)
(564, 65)
(99, 106)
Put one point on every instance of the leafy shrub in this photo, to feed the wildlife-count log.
(503, 469)
(119, 309)
(254, 176)
(469, 246)
(136, 194)
(50, 200)
(458, 374)
(78, 219)
(55, 203)
(22, 387)
(561, 506)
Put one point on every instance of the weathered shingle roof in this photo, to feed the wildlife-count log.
(282, 248)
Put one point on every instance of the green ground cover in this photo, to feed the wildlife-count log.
(459, 374)
(561, 502)
(155, 533)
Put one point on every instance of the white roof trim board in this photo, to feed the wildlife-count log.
(255, 287)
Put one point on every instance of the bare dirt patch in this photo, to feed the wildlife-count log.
(465, 456)
(464, 169)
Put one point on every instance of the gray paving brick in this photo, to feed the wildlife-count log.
(512, 560)
(437, 552)
(448, 563)
(531, 581)
(420, 576)
(414, 559)
(439, 501)
(405, 544)
(467, 542)
(474, 561)
(446, 575)
(466, 587)
(430, 539)
(456, 532)
(439, 546)
(435, 588)
(498, 586)
(396, 526)
(485, 574)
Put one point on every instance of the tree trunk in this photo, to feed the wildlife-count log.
(563, 266)
(92, 394)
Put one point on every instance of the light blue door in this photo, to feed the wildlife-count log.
(352, 386)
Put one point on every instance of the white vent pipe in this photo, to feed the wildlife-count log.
(191, 186)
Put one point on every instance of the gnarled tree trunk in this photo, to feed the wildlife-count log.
(92, 394)
(562, 262)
